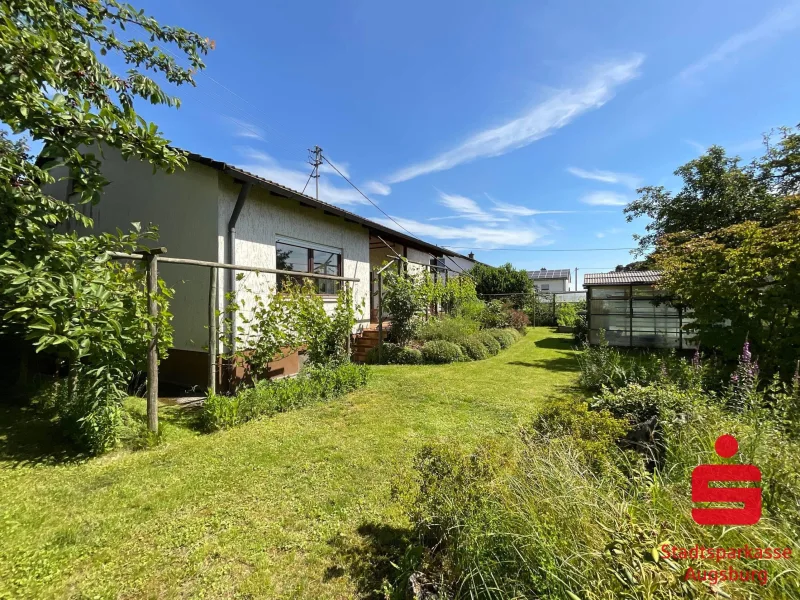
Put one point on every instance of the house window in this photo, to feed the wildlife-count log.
(293, 257)
(545, 287)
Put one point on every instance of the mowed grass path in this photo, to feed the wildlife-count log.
(295, 506)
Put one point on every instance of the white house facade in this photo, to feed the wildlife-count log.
(274, 228)
(551, 280)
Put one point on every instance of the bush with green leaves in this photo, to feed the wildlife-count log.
(487, 339)
(403, 299)
(59, 290)
(439, 352)
(540, 310)
(566, 314)
(495, 314)
(393, 354)
(451, 329)
(474, 349)
(313, 384)
(504, 337)
(470, 310)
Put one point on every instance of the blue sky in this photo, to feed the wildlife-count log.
(509, 128)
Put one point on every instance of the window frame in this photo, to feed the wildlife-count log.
(310, 248)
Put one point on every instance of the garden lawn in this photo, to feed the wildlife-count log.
(298, 505)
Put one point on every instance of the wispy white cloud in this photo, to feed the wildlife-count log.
(518, 210)
(625, 179)
(554, 225)
(561, 108)
(267, 167)
(604, 199)
(698, 147)
(377, 188)
(244, 129)
(772, 26)
(465, 208)
(479, 235)
(607, 232)
(342, 166)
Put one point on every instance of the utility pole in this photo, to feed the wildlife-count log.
(576, 279)
(315, 160)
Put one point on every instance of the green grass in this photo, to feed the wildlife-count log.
(298, 505)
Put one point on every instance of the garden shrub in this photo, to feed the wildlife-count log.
(581, 333)
(451, 329)
(495, 314)
(516, 333)
(593, 432)
(407, 356)
(404, 299)
(312, 384)
(518, 320)
(566, 314)
(540, 311)
(393, 354)
(504, 337)
(441, 352)
(474, 348)
(487, 339)
(471, 309)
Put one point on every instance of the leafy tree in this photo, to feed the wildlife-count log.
(500, 280)
(719, 192)
(742, 283)
(58, 289)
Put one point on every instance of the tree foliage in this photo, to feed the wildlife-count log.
(57, 287)
(718, 191)
(500, 280)
(742, 283)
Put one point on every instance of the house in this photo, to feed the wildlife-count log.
(213, 211)
(628, 307)
(551, 280)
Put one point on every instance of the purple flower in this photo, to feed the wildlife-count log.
(696, 359)
(734, 378)
(746, 356)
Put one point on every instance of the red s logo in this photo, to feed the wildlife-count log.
(726, 446)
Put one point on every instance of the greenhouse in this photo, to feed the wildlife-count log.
(627, 308)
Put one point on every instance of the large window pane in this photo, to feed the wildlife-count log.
(326, 263)
(605, 307)
(610, 291)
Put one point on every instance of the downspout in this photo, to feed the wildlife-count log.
(230, 287)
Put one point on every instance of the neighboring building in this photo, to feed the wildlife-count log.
(551, 280)
(628, 307)
(458, 263)
(276, 227)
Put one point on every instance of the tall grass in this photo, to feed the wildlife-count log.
(539, 519)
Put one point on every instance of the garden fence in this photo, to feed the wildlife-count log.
(151, 260)
(541, 307)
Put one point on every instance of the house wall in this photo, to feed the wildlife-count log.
(418, 260)
(183, 206)
(555, 285)
(458, 264)
(266, 217)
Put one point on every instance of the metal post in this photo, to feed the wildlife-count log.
(212, 331)
(152, 348)
(380, 317)
(349, 295)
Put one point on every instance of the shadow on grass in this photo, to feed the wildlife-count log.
(370, 562)
(565, 364)
(28, 437)
(556, 343)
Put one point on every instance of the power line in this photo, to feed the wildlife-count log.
(333, 166)
(537, 249)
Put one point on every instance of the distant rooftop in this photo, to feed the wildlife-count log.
(551, 274)
(621, 278)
